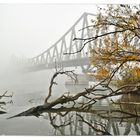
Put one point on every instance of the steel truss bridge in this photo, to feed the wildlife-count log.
(55, 55)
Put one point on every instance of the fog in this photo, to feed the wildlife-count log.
(27, 30)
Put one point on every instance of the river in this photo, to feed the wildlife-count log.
(29, 90)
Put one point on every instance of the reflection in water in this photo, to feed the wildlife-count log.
(122, 119)
(130, 102)
(98, 120)
(104, 118)
(74, 123)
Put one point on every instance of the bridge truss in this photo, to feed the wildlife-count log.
(62, 53)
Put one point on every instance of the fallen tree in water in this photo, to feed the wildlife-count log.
(82, 101)
(68, 106)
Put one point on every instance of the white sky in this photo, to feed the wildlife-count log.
(29, 29)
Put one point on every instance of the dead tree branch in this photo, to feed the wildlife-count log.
(68, 73)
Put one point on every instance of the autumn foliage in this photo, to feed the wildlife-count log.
(116, 54)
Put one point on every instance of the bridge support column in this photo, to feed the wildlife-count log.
(85, 69)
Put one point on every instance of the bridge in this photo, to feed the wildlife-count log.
(62, 53)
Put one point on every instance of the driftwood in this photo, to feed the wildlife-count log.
(89, 95)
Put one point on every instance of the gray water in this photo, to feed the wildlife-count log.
(29, 89)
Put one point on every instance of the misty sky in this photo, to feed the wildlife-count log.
(29, 29)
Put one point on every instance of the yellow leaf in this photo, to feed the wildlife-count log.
(132, 57)
(132, 21)
(136, 72)
(101, 73)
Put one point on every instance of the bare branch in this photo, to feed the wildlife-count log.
(52, 81)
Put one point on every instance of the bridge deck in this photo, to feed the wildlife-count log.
(59, 64)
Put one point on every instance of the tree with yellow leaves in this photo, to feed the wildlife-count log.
(116, 56)
(117, 53)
